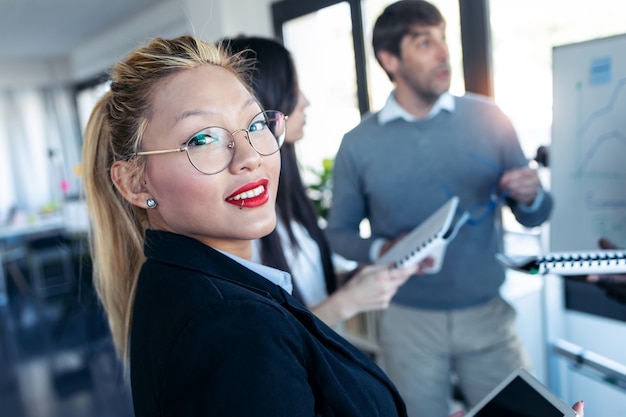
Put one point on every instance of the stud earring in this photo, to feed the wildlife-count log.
(151, 203)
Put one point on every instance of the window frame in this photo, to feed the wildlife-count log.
(475, 41)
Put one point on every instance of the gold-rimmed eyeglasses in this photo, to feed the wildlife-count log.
(211, 149)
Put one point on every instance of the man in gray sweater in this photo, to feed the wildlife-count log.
(395, 169)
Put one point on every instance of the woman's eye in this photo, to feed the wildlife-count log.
(257, 125)
(201, 138)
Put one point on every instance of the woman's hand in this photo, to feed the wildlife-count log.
(579, 407)
(371, 288)
(374, 286)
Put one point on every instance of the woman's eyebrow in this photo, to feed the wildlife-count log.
(203, 112)
(251, 102)
(195, 112)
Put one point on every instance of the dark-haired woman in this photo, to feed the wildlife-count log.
(298, 245)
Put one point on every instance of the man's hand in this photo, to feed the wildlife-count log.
(522, 184)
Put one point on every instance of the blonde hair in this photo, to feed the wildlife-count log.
(115, 132)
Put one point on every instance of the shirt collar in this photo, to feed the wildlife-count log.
(275, 276)
(393, 110)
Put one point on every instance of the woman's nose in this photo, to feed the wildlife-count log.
(245, 156)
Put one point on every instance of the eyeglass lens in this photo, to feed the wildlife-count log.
(212, 149)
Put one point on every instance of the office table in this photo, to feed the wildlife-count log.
(42, 227)
(23, 233)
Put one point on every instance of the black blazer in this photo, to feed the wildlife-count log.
(212, 338)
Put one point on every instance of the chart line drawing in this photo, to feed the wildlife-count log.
(606, 109)
(591, 143)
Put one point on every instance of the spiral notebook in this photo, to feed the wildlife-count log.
(568, 263)
(429, 238)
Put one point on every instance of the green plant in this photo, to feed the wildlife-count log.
(320, 190)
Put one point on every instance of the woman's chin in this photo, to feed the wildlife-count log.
(263, 229)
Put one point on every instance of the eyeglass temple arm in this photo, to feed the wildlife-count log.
(183, 149)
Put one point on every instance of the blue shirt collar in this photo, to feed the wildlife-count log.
(393, 110)
(275, 276)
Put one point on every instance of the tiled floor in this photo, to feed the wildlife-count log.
(61, 363)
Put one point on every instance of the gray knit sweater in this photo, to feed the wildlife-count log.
(397, 174)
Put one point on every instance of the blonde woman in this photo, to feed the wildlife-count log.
(181, 173)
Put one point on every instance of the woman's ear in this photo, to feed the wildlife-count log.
(125, 178)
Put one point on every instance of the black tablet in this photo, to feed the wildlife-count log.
(521, 395)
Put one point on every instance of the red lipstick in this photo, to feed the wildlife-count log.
(253, 194)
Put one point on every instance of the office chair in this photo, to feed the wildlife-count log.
(51, 269)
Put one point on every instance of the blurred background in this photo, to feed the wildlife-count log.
(56, 356)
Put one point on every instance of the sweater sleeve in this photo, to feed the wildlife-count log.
(532, 218)
(513, 157)
(349, 206)
(243, 364)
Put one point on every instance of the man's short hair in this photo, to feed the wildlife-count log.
(397, 20)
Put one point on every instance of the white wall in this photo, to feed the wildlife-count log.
(29, 72)
(95, 56)
(525, 293)
(207, 19)
(249, 17)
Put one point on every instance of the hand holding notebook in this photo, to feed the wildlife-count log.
(428, 239)
(619, 278)
(602, 261)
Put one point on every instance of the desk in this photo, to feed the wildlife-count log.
(45, 226)
(22, 233)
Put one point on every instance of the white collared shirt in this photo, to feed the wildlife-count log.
(305, 262)
(393, 110)
(276, 276)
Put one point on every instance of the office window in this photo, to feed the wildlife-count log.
(38, 141)
(326, 70)
(86, 99)
(8, 194)
(523, 33)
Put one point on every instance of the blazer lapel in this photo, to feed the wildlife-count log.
(192, 254)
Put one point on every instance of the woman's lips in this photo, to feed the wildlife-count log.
(253, 194)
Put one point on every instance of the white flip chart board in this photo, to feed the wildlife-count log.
(588, 151)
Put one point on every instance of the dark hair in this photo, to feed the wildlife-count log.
(396, 22)
(275, 84)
